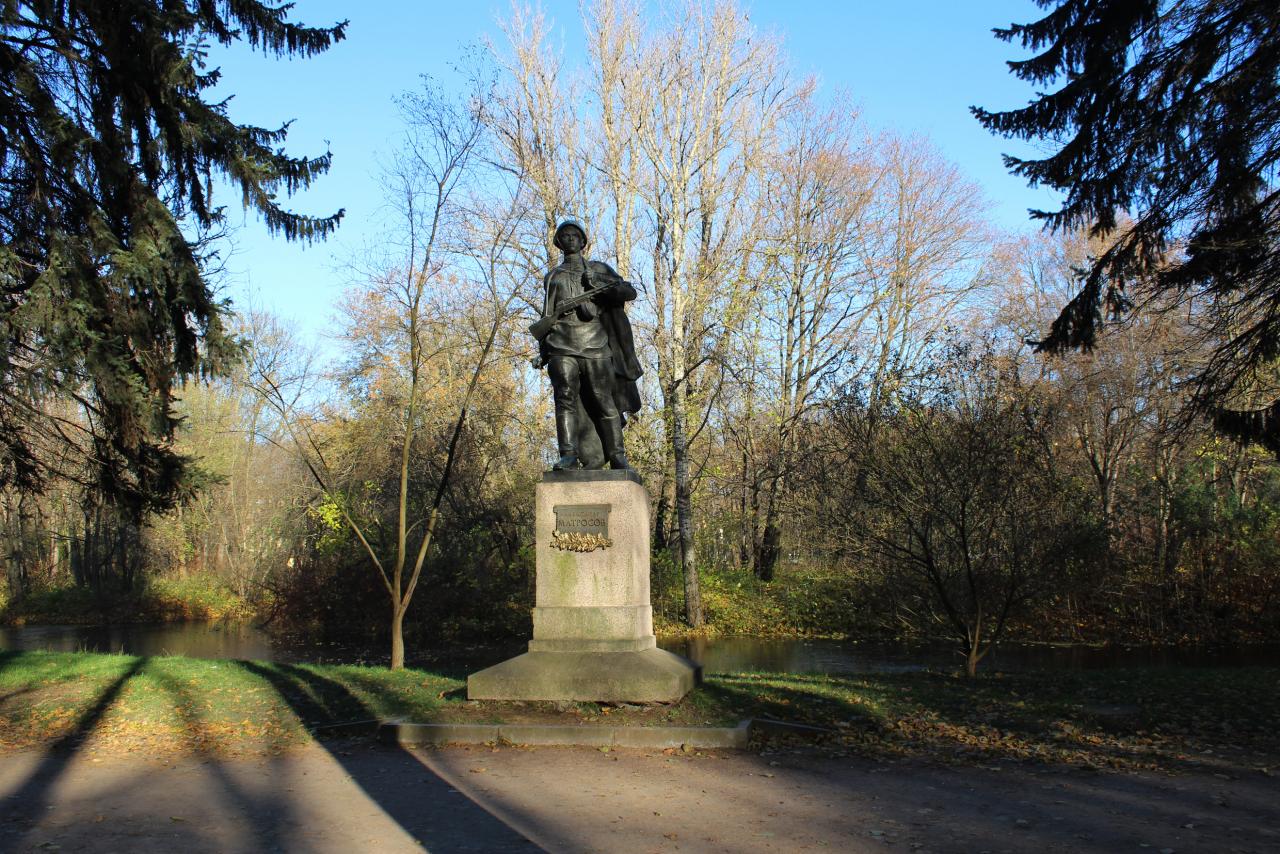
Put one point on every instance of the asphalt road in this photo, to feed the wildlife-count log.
(355, 796)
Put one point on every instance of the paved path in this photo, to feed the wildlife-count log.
(351, 797)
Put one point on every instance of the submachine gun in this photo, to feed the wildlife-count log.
(543, 325)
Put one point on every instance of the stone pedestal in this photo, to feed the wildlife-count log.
(592, 623)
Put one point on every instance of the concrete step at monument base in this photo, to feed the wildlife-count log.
(641, 676)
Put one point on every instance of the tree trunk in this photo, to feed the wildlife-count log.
(397, 636)
(770, 547)
(767, 549)
(684, 514)
(753, 527)
(975, 647)
(660, 535)
(746, 519)
(16, 557)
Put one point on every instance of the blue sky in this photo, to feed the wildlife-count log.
(913, 66)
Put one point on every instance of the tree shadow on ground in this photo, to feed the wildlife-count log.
(426, 806)
(803, 699)
(952, 718)
(266, 812)
(35, 790)
(12, 695)
(29, 800)
(1025, 806)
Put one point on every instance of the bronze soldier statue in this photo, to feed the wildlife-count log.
(585, 342)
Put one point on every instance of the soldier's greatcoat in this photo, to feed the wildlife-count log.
(576, 335)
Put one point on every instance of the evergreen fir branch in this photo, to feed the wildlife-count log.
(1168, 119)
(108, 151)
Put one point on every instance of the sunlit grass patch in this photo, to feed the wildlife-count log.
(194, 704)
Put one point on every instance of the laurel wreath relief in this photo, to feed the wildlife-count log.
(572, 541)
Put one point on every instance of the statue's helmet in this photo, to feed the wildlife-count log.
(569, 223)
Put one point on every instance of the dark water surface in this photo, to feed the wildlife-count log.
(728, 654)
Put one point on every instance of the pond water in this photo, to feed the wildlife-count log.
(727, 654)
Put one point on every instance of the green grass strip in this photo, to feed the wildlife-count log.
(1108, 717)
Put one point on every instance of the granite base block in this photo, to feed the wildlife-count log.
(644, 676)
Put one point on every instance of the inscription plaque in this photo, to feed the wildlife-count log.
(582, 519)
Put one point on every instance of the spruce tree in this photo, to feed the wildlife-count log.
(1165, 134)
(108, 151)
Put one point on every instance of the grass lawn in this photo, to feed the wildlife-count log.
(1125, 718)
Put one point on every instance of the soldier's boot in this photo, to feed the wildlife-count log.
(611, 438)
(566, 439)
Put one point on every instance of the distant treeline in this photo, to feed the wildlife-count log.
(1062, 499)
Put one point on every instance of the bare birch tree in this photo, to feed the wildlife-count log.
(810, 307)
(425, 181)
(922, 243)
(535, 121)
(714, 93)
(614, 42)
